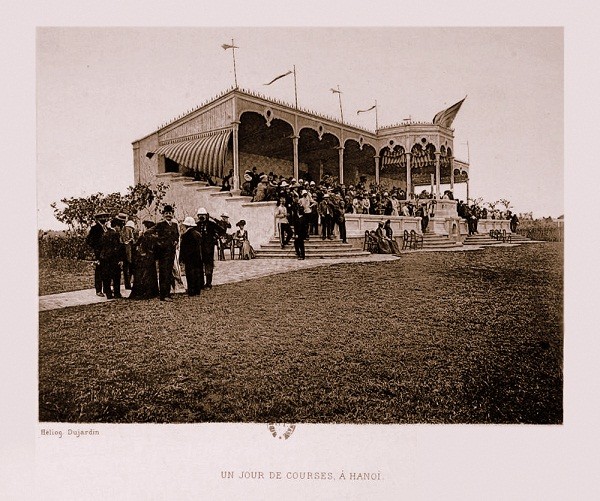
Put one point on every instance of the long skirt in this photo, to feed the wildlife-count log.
(145, 280)
(247, 251)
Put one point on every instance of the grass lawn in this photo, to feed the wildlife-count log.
(448, 337)
(63, 275)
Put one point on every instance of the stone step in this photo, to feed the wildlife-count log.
(290, 254)
(311, 244)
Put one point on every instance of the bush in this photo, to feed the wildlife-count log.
(539, 229)
(68, 245)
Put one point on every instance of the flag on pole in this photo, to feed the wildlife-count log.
(336, 91)
(447, 116)
(280, 76)
(364, 111)
(229, 46)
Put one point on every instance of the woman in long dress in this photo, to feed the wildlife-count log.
(240, 239)
(389, 234)
(382, 240)
(145, 279)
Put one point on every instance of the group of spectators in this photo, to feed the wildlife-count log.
(472, 214)
(150, 260)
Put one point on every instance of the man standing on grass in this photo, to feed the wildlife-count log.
(190, 254)
(94, 240)
(110, 255)
(167, 237)
(210, 231)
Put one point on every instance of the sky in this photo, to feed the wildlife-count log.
(99, 89)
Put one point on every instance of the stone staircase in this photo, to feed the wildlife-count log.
(433, 241)
(485, 239)
(314, 248)
(481, 239)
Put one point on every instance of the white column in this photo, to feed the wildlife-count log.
(341, 156)
(296, 168)
(376, 157)
(437, 175)
(408, 176)
(236, 160)
(451, 161)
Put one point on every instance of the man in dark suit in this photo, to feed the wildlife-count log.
(326, 213)
(94, 240)
(111, 254)
(190, 254)
(167, 236)
(210, 230)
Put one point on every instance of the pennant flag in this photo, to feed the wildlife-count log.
(280, 76)
(446, 117)
(336, 91)
(229, 46)
(364, 111)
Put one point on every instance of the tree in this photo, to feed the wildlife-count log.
(492, 205)
(505, 202)
(140, 200)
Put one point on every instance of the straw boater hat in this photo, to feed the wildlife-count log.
(122, 216)
(241, 222)
(189, 221)
(224, 214)
(100, 215)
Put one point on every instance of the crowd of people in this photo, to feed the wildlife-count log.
(473, 213)
(149, 261)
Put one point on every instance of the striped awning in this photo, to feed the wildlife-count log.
(205, 154)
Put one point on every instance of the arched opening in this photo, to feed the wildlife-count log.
(422, 166)
(358, 162)
(318, 158)
(268, 148)
(392, 170)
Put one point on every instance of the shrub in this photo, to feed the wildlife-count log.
(68, 245)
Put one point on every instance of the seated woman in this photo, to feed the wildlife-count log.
(389, 233)
(240, 239)
(382, 240)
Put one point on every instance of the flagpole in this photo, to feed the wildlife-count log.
(234, 72)
(340, 98)
(295, 87)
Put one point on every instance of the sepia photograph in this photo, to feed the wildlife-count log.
(359, 225)
(268, 250)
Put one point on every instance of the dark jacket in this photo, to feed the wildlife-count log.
(167, 236)
(190, 252)
(112, 248)
(94, 239)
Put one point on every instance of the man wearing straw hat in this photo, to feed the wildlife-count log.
(190, 254)
(210, 230)
(94, 240)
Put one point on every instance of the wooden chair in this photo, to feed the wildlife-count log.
(416, 240)
(406, 240)
(370, 243)
(236, 244)
(506, 237)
